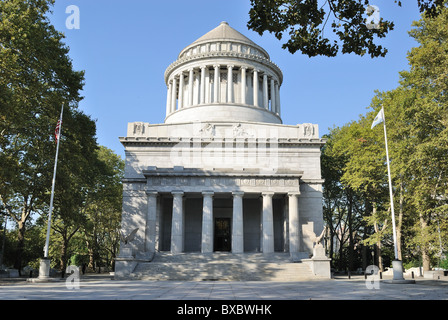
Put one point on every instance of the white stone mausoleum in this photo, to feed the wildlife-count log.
(222, 176)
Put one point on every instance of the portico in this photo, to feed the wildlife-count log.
(188, 209)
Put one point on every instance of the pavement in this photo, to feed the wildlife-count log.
(103, 287)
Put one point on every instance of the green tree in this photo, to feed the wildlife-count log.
(103, 209)
(305, 22)
(426, 122)
(36, 78)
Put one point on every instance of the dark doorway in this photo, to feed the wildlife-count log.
(222, 234)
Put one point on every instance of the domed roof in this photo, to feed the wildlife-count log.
(225, 33)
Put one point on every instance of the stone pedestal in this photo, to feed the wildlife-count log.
(44, 268)
(124, 267)
(44, 272)
(397, 266)
(126, 252)
(398, 278)
(319, 263)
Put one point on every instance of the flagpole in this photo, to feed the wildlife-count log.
(47, 241)
(394, 232)
(397, 265)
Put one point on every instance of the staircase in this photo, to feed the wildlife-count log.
(223, 266)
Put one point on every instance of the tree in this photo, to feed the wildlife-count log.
(37, 77)
(343, 202)
(103, 209)
(305, 22)
(427, 128)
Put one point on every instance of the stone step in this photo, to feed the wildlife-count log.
(222, 257)
(223, 266)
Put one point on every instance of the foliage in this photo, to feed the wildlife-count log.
(37, 78)
(305, 22)
(416, 115)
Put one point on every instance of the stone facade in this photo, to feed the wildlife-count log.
(222, 173)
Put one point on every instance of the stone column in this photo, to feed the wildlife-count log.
(273, 100)
(173, 95)
(190, 87)
(265, 92)
(207, 86)
(168, 99)
(255, 86)
(202, 93)
(177, 224)
(237, 223)
(181, 91)
(207, 222)
(277, 96)
(230, 83)
(243, 85)
(151, 217)
(216, 84)
(268, 223)
(294, 226)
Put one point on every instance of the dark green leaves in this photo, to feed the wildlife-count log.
(306, 22)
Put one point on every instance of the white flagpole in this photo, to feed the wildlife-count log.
(394, 232)
(47, 241)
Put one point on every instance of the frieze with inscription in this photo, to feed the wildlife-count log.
(222, 182)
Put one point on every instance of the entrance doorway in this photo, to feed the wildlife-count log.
(222, 241)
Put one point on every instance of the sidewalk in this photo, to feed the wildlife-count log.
(102, 287)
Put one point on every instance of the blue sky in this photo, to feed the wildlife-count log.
(125, 47)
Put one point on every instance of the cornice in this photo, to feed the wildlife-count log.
(224, 54)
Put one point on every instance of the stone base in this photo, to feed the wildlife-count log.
(319, 266)
(44, 273)
(397, 266)
(404, 281)
(124, 267)
(43, 279)
(319, 263)
(398, 278)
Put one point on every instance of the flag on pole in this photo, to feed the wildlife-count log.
(57, 130)
(378, 119)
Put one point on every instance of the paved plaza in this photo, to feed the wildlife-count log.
(104, 288)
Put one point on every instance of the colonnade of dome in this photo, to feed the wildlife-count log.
(223, 70)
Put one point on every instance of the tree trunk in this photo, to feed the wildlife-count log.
(63, 262)
(378, 247)
(400, 222)
(351, 244)
(20, 246)
(425, 256)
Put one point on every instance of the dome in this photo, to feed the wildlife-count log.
(225, 33)
(223, 76)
